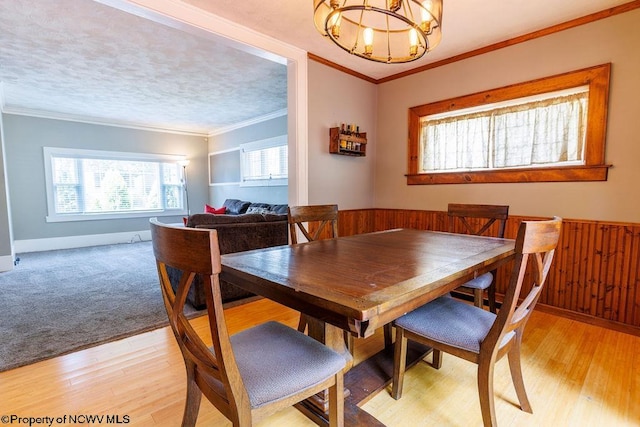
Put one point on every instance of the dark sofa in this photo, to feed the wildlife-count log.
(243, 227)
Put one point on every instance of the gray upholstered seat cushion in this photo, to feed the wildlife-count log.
(276, 361)
(481, 282)
(451, 322)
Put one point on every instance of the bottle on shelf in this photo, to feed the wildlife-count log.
(346, 139)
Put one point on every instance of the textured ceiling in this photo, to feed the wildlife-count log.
(84, 59)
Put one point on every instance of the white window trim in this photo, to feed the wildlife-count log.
(260, 145)
(52, 216)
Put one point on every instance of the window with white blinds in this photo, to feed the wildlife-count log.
(90, 184)
(264, 162)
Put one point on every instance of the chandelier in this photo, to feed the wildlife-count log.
(388, 31)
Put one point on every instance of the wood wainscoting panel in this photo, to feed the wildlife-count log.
(595, 276)
(357, 221)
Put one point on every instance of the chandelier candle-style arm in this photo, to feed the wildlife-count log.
(387, 31)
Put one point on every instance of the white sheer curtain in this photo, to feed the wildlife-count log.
(542, 132)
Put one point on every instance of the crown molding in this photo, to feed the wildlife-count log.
(97, 121)
(339, 67)
(587, 19)
(130, 125)
(249, 122)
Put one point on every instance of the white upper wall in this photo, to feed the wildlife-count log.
(615, 40)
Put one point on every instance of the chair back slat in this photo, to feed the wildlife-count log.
(477, 219)
(195, 349)
(322, 215)
(535, 246)
(195, 252)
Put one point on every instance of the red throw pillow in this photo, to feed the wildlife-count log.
(184, 220)
(212, 210)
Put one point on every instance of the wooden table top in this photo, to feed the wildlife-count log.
(361, 282)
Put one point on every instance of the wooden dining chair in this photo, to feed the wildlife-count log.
(478, 220)
(477, 335)
(318, 216)
(253, 373)
(312, 221)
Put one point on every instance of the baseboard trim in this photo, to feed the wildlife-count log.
(557, 311)
(53, 243)
(590, 319)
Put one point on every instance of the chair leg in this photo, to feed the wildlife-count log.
(194, 396)
(516, 374)
(485, 391)
(491, 294)
(399, 363)
(336, 402)
(388, 335)
(478, 298)
(436, 358)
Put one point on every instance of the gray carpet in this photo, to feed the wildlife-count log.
(57, 302)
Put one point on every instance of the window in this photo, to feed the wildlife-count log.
(264, 162)
(88, 184)
(551, 129)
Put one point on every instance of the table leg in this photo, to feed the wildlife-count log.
(317, 407)
(362, 381)
(331, 336)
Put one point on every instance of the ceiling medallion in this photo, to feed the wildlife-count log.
(387, 31)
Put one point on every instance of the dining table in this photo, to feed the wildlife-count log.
(359, 284)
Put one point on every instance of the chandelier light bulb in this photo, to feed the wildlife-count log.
(425, 14)
(367, 35)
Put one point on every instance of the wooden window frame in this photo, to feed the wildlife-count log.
(594, 169)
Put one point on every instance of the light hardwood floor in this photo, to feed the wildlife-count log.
(576, 375)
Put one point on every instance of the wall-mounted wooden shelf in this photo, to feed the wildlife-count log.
(347, 144)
